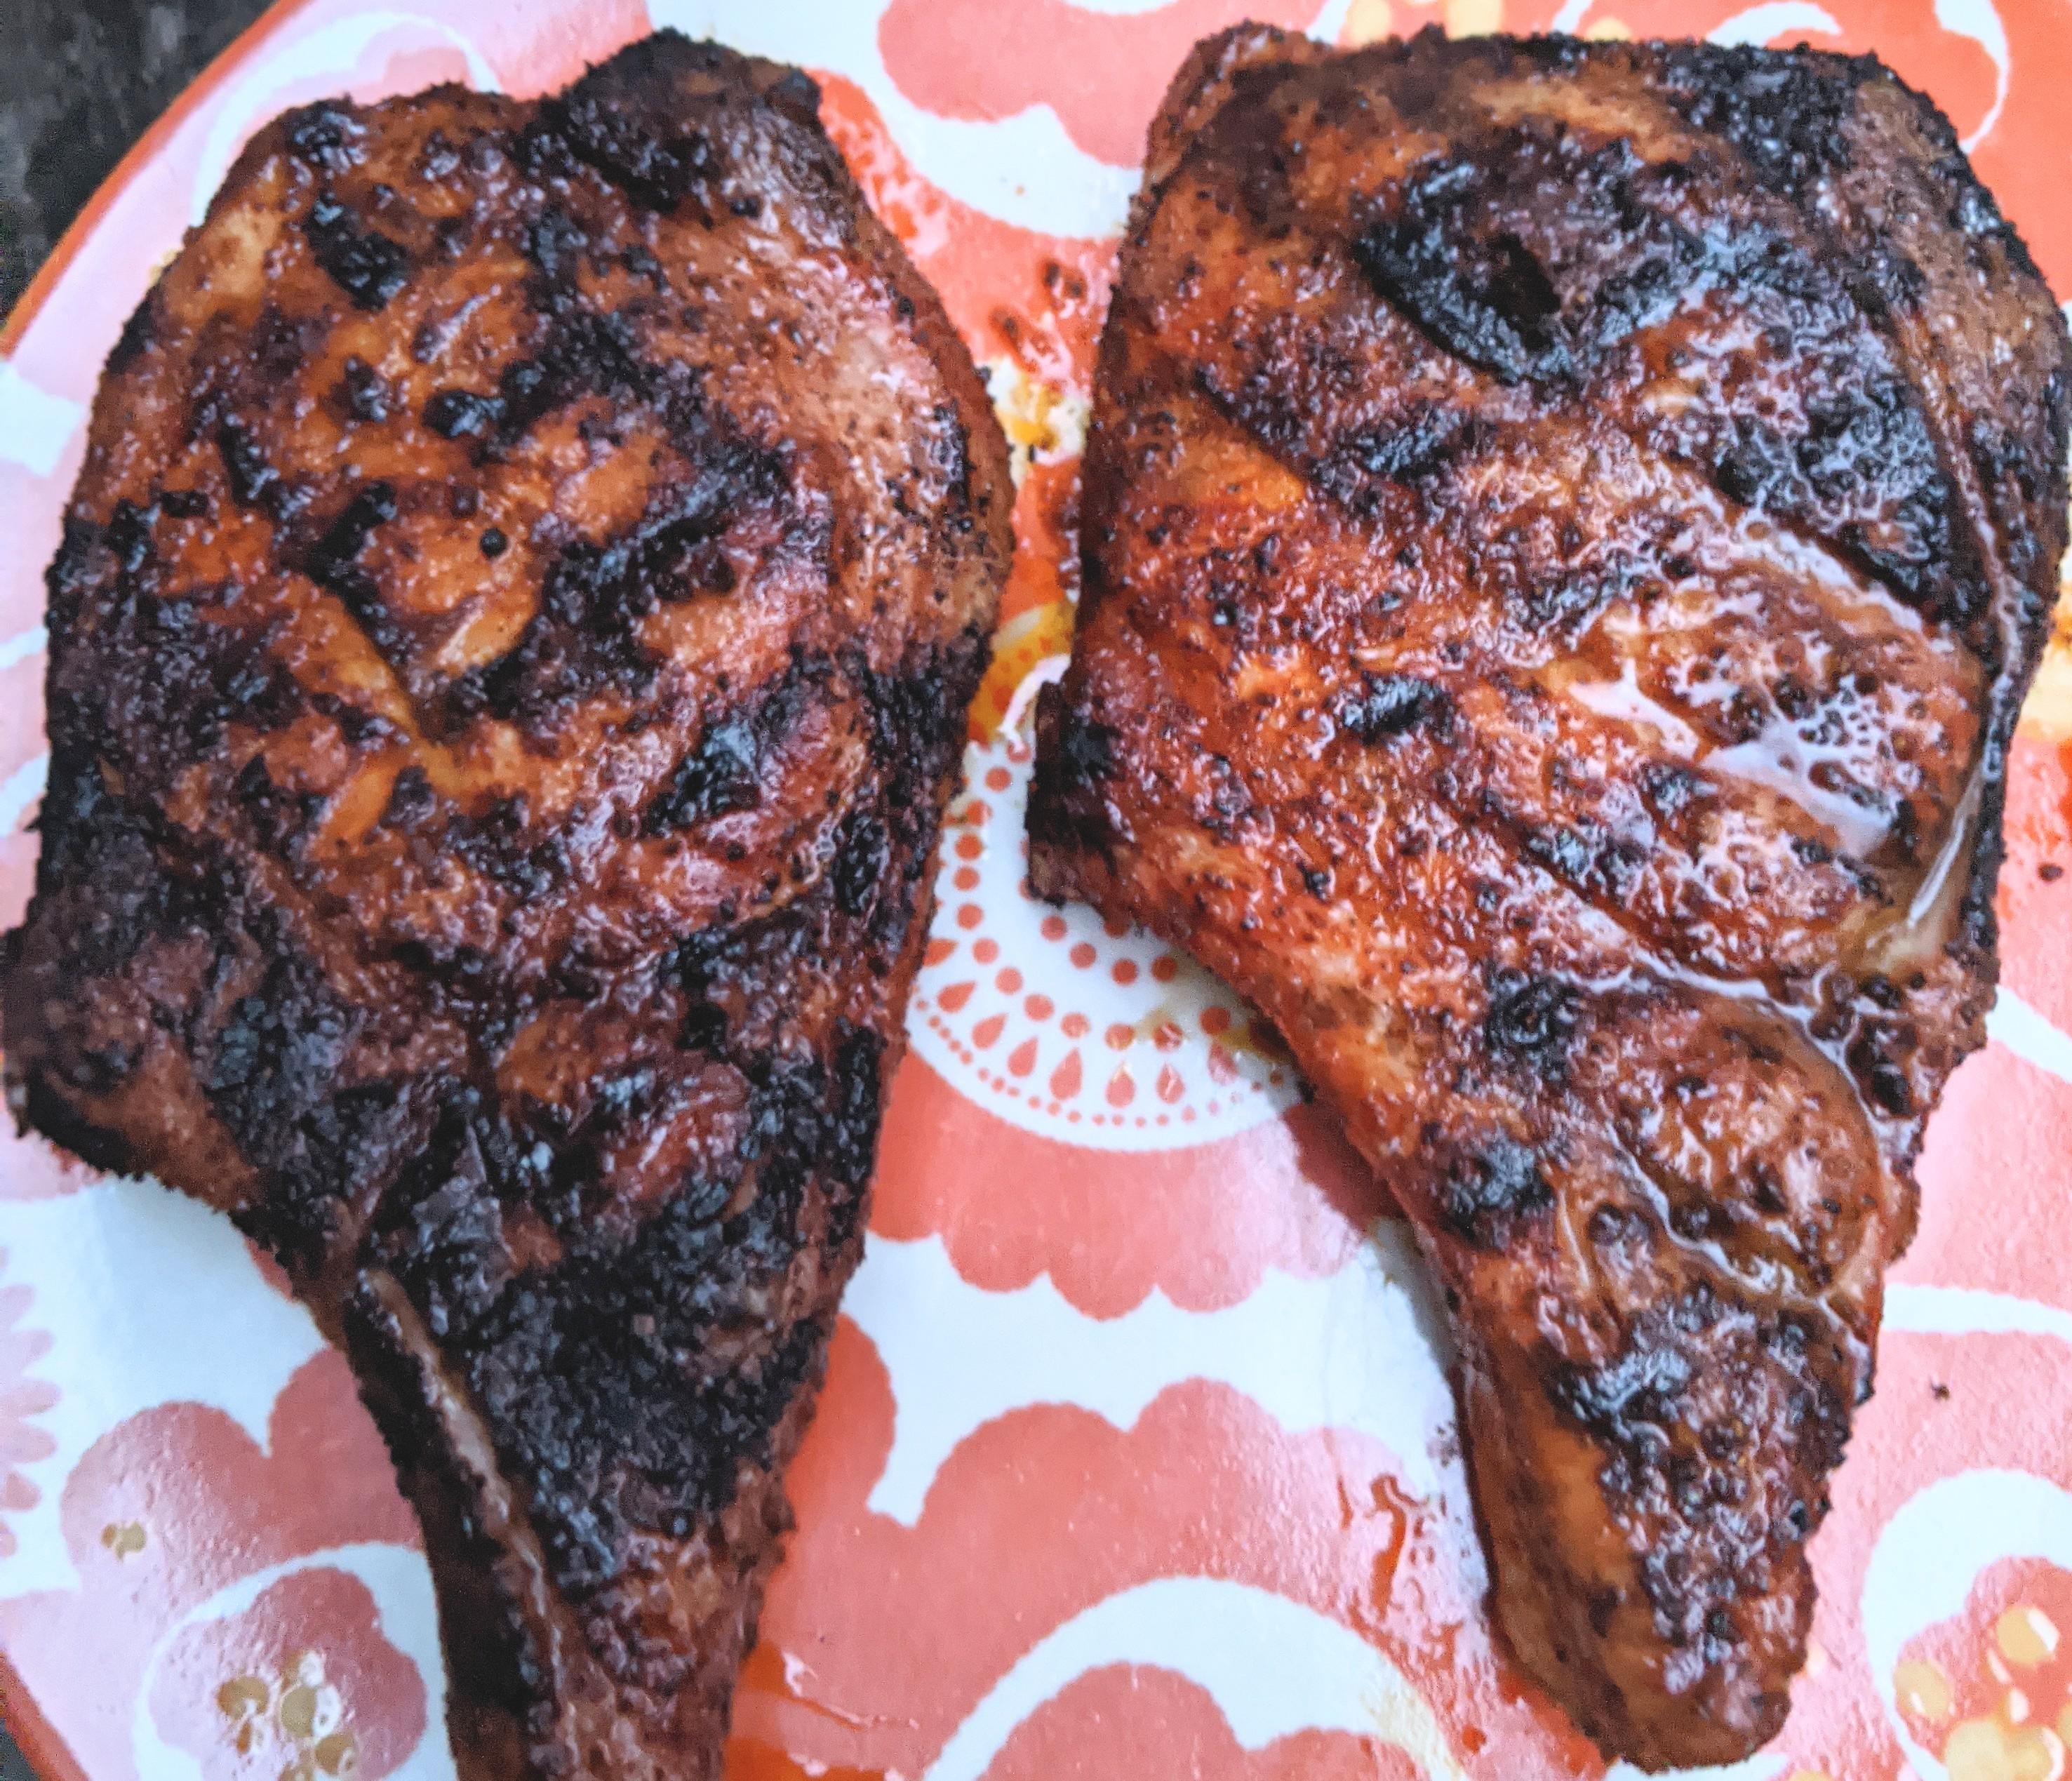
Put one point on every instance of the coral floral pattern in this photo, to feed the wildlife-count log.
(1990, 1691)
(23, 1398)
(1136, 1455)
(305, 1684)
(948, 57)
(161, 1518)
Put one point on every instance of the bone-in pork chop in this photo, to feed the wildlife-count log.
(1567, 530)
(508, 657)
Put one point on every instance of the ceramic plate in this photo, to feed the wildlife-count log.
(1136, 1456)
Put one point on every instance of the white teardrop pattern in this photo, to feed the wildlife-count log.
(1273, 1667)
(1024, 171)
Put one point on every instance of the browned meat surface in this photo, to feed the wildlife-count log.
(508, 657)
(1567, 529)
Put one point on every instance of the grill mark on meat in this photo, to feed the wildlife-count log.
(585, 636)
(1491, 305)
(325, 135)
(1392, 704)
(1531, 1018)
(333, 564)
(1597, 862)
(253, 481)
(735, 754)
(1405, 454)
(368, 266)
(582, 353)
(1444, 247)
(1488, 301)
(280, 816)
(1484, 1198)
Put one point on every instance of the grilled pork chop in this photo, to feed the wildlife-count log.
(508, 656)
(1567, 530)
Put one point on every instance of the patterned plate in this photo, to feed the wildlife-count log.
(1136, 1456)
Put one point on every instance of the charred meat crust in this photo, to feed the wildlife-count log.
(1567, 529)
(508, 658)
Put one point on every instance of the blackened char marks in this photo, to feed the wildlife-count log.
(657, 119)
(333, 563)
(916, 753)
(913, 750)
(556, 244)
(332, 1165)
(730, 767)
(1877, 1056)
(1076, 757)
(457, 413)
(580, 354)
(1869, 433)
(632, 1384)
(850, 1143)
(1786, 111)
(169, 676)
(1087, 752)
(325, 135)
(1489, 1195)
(628, 123)
(510, 850)
(494, 1658)
(863, 856)
(280, 816)
(368, 266)
(915, 756)
(1683, 1414)
(1465, 248)
(1387, 706)
(276, 1054)
(363, 393)
(1552, 297)
(97, 1031)
(138, 334)
(1602, 863)
(411, 799)
(586, 636)
(1644, 1388)
(253, 480)
(1405, 453)
(1487, 301)
(1531, 1018)
(447, 1239)
(660, 172)
(271, 1074)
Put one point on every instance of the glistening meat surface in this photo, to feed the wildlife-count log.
(1567, 530)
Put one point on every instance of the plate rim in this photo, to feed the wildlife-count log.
(140, 153)
(22, 1716)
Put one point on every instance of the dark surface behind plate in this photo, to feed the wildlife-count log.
(79, 83)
